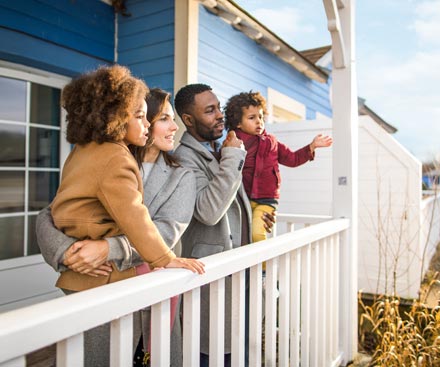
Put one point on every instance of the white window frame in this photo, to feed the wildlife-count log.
(278, 99)
(32, 75)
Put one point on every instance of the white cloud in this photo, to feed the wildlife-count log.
(287, 22)
(406, 94)
(427, 22)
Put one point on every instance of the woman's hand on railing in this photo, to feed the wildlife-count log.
(196, 266)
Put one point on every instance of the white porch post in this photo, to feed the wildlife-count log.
(341, 24)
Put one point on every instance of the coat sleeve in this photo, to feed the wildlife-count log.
(52, 242)
(119, 194)
(290, 158)
(215, 194)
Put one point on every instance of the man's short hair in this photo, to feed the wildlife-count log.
(184, 99)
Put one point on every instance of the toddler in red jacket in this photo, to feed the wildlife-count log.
(244, 113)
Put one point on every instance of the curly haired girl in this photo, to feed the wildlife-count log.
(101, 189)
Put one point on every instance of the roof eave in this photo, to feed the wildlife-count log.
(241, 20)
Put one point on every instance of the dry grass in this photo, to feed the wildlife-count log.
(395, 338)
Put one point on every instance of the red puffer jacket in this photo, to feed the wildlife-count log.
(261, 173)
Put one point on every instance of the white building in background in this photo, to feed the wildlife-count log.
(395, 242)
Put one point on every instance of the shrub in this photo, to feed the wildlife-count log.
(394, 340)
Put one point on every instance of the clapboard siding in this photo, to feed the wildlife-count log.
(146, 41)
(19, 48)
(32, 278)
(231, 62)
(62, 36)
(389, 200)
(305, 189)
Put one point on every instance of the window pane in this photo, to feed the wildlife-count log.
(33, 248)
(44, 148)
(11, 192)
(12, 145)
(42, 189)
(45, 105)
(12, 99)
(11, 240)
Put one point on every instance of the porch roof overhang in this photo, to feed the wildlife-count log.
(242, 21)
(315, 54)
(365, 110)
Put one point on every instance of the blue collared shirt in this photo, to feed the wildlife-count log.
(207, 145)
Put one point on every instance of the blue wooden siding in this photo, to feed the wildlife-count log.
(146, 41)
(231, 63)
(62, 36)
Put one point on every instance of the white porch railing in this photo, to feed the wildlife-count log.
(429, 227)
(307, 266)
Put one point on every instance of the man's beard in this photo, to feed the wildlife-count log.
(205, 133)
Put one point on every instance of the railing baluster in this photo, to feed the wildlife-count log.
(337, 280)
(323, 286)
(270, 330)
(121, 341)
(70, 351)
(160, 334)
(305, 305)
(238, 319)
(331, 300)
(255, 315)
(295, 309)
(314, 303)
(217, 323)
(16, 362)
(191, 328)
(283, 304)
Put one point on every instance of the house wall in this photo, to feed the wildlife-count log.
(64, 37)
(230, 62)
(146, 41)
(389, 201)
(50, 41)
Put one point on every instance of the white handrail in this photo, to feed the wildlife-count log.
(28, 329)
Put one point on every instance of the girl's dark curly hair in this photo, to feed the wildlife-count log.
(100, 103)
(234, 107)
(156, 102)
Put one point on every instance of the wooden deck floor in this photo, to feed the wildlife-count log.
(45, 357)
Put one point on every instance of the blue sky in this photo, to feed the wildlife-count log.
(397, 54)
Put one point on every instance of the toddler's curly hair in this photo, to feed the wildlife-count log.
(234, 107)
(100, 103)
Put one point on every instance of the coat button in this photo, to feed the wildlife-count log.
(230, 236)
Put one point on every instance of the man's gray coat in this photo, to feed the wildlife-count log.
(217, 221)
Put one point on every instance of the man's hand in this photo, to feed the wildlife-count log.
(269, 220)
(88, 257)
(232, 141)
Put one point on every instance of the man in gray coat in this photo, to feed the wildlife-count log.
(222, 215)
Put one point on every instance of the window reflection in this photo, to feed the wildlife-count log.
(12, 239)
(33, 248)
(45, 105)
(42, 189)
(12, 145)
(44, 148)
(12, 99)
(11, 192)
